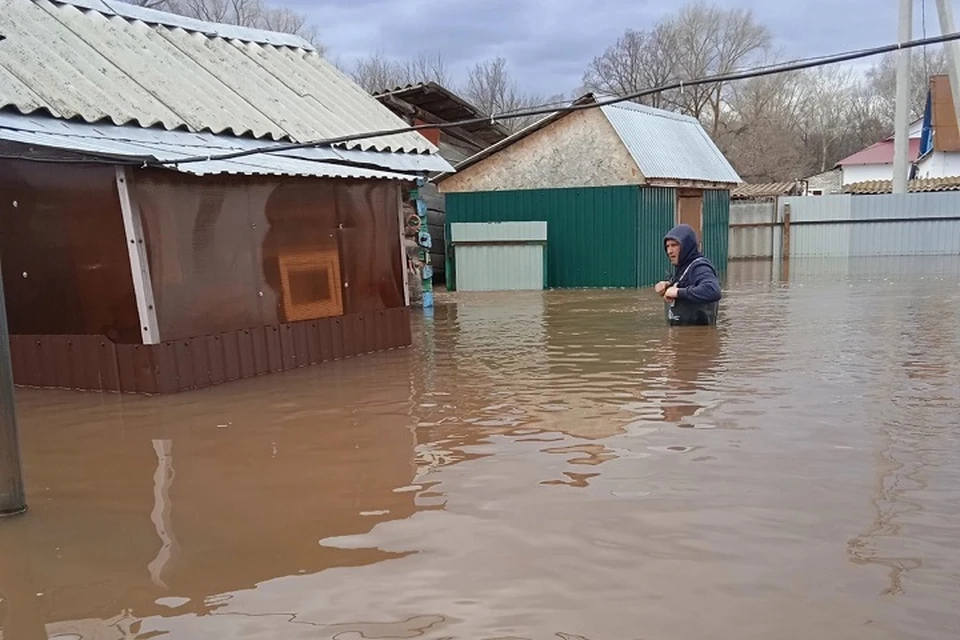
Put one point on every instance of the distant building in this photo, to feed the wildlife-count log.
(609, 182)
(876, 161)
(824, 184)
(939, 152)
(134, 259)
(430, 103)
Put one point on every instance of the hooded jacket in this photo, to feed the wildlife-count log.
(694, 275)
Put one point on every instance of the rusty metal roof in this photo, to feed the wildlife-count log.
(765, 190)
(447, 106)
(867, 187)
(107, 61)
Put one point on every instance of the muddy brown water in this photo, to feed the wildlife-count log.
(546, 465)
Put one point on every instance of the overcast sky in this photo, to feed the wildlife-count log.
(548, 43)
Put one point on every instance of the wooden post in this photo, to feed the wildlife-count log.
(13, 499)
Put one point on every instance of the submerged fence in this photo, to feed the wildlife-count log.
(846, 225)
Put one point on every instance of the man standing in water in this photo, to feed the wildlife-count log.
(693, 291)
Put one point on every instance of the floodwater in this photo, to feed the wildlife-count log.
(537, 466)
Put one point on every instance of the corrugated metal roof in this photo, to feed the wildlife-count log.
(880, 153)
(765, 190)
(136, 144)
(103, 61)
(667, 145)
(950, 183)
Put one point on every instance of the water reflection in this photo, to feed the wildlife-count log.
(543, 465)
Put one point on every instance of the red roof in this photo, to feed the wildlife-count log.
(880, 153)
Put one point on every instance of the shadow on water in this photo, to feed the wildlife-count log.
(539, 465)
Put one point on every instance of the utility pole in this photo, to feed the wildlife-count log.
(12, 496)
(945, 12)
(901, 131)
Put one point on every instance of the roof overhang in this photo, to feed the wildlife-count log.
(162, 148)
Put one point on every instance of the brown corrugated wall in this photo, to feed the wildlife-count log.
(95, 363)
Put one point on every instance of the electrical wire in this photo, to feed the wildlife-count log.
(575, 106)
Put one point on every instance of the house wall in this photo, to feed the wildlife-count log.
(939, 164)
(66, 269)
(229, 253)
(860, 173)
(828, 182)
(579, 150)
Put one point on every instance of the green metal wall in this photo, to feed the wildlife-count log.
(716, 227)
(597, 236)
(655, 217)
(591, 231)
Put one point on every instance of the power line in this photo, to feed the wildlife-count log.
(526, 113)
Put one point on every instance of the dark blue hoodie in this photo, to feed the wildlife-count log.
(694, 275)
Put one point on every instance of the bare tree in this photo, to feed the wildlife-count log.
(493, 91)
(637, 61)
(710, 42)
(883, 79)
(256, 14)
(376, 72)
(698, 42)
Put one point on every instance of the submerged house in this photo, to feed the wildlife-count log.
(429, 103)
(149, 241)
(607, 182)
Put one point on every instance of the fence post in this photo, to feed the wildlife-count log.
(785, 246)
(12, 497)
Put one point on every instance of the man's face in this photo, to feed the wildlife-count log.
(673, 251)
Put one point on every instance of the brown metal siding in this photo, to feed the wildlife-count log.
(97, 364)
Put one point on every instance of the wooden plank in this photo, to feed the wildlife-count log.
(145, 369)
(274, 349)
(336, 339)
(288, 348)
(165, 366)
(351, 340)
(261, 357)
(48, 362)
(108, 365)
(139, 264)
(61, 362)
(201, 361)
(215, 360)
(78, 374)
(314, 342)
(300, 344)
(248, 361)
(232, 366)
(127, 368)
(186, 374)
(17, 359)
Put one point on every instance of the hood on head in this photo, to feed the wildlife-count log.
(687, 237)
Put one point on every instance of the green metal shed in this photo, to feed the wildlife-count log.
(609, 182)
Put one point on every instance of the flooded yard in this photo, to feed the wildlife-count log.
(537, 466)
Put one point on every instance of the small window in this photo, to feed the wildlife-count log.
(816, 192)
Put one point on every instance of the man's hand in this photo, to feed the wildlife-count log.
(671, 293)
(661, 287)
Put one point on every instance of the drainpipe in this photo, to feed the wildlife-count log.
(12, 497)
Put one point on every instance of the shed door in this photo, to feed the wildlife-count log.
(690, 210)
